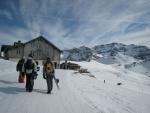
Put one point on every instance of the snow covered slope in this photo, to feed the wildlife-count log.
(79, 93)
(130, 97)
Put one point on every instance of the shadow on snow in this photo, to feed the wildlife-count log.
(11, 90)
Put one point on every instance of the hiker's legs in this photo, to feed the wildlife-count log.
(49, 83)
(31, 83)
(27, 82)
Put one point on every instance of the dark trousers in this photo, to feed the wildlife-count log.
(49, 80)
(29, 82)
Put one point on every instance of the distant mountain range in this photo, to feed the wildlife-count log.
(132, 57)
(85, 54)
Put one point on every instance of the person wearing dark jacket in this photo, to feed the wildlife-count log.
(30, 71)
(48, 74)
(19, 68)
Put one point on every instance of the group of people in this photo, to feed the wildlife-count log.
(28, 68)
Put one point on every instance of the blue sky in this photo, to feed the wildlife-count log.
(73, 23)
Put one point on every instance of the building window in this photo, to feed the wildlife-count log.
(32, 53)
(18, 52)
(47, 53)
(37, 46)
(32, 44)
(38, 53)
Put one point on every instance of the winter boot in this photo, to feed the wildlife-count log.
(48, 92)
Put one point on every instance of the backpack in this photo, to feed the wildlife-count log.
(49, 68)
(29, 66)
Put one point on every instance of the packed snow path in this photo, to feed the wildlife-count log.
(14, 98)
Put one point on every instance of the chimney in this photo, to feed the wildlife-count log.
(17, 43)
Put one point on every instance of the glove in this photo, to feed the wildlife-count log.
(35, 75)
(57, 80)
(38, 68)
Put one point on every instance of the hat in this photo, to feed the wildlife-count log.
(48, 58)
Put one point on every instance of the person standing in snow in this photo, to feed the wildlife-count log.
(48, 74)
(30, 70)
(19, 68)
(66, 65)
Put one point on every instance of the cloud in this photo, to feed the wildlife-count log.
(139, 38)
(6, 14)
(71, 23)
(9, 37)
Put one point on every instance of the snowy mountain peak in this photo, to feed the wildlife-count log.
(78, 54)
(84, 53)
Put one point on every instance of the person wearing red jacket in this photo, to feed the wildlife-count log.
(19, 66)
